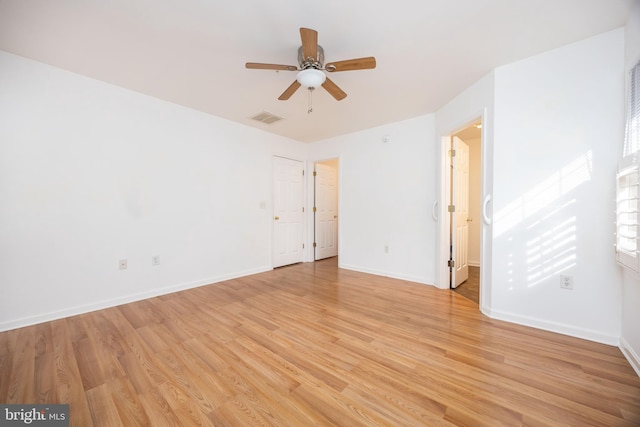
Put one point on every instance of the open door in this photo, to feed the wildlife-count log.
(463, 263)
(326, 209)
(459, 211)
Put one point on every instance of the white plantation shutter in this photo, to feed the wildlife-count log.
(627, 217)
(632, 129)
(628, 182)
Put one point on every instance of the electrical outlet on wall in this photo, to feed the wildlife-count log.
(566, 282)
(155, 260)
(122, 264)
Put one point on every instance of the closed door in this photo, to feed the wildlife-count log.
(326, 210)
(288, 211)
(461, 211)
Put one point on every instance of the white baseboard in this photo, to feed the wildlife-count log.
(473, 263)
(630, 354)
(399, 276)
(560, 328)
(99, 305)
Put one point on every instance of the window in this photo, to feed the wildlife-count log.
(632, 129)
(628, 182)
(627, 217)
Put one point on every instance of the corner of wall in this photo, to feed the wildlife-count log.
(630, 354)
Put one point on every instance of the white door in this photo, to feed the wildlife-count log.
(326, 210)
(288, 211)
(460, 196)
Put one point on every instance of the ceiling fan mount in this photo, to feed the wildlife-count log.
(311, 62)
(311, 57)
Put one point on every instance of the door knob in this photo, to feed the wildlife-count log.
(276, 218)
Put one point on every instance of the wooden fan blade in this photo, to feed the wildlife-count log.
(352, 64)
(259, 66)
(334, 90)
(309, 43)
(289, 91)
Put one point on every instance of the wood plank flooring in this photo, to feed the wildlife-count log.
(470, 288)
(313, 345)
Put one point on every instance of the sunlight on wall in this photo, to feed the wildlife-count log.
(544, 194)
(552, 252)
(543, 216)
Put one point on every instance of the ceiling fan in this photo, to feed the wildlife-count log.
(311, 67)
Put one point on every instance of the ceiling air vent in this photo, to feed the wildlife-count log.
(266, 117)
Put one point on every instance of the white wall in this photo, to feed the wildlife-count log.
(630, 340)
(91, 173)
(558, 116)
(386, 193)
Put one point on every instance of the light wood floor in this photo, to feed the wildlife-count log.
(314, 345)
(470, 288)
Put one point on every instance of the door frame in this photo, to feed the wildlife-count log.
(444, 223)
(312, 211)
(310, 252)
(454, 217)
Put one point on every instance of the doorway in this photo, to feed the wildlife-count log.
(465, 220)
(288, 211)
(325, 209)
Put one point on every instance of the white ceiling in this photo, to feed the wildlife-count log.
(192, 52)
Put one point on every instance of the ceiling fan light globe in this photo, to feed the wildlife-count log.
(311, 77)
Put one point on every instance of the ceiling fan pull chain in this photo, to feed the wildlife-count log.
(310, 110)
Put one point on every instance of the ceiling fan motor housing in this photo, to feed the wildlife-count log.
(309, 62)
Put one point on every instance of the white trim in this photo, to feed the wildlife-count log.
(310, 253)
(556, 327)
(86, 308)
(630, 354)
(442, 272)
(392, 275)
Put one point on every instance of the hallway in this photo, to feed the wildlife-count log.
(470, 288)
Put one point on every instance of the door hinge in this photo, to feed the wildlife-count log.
(302, 172)
(451, 208)
(303, 209)
(315, 173)
(303, 246)
(314, 244)
(451, 263)
(452, 153)
(314, 209)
